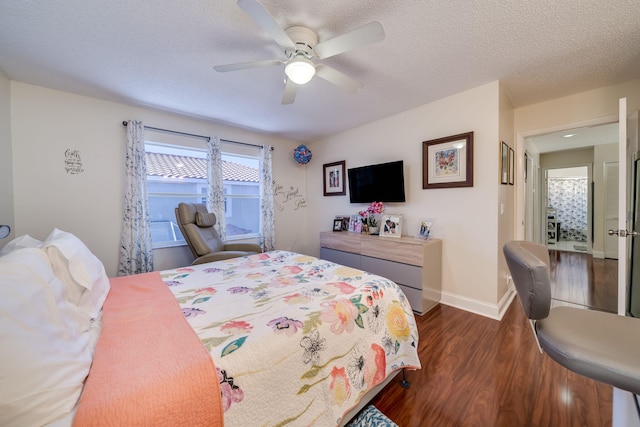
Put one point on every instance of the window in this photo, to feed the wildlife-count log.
(241, 176)
(179, 174)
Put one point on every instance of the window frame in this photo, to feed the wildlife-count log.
(179, 149)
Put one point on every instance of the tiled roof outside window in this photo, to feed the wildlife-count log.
(172, 166)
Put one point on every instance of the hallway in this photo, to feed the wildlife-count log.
(578, 279)
(568, 245)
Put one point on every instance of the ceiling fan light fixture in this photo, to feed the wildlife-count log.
(300, 70)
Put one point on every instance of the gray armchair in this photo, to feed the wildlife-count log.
(602, 346)
(196, 225)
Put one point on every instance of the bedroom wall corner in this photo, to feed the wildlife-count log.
(6, 158)
(506, 206)
(49, 125)
(465, 218)
(290, 199)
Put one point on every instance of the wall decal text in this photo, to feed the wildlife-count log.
(283, 196)
(73, 162)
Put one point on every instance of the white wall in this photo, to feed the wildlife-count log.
(6, 158)
(506, 198)
(45, 123)
(465, 218)
(566, 158)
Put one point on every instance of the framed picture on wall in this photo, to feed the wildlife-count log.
(448, 162)
(511, 166)
(504, 163)
(333, 178)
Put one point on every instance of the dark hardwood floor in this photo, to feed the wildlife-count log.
(579, 279)
(478, 371)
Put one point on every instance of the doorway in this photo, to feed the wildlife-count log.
(562, 154)
(568, 209)
(591, 145)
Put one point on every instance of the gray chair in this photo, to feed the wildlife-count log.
(197, 227)
(599, 345)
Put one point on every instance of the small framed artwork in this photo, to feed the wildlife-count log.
(511, 165)
(504, 163)
(344, 219)
(424, 231)
(337, 224)
(391, 226)
(448, 162)
(355, 224)
(333, 179)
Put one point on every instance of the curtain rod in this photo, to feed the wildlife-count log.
(244, 143)
(208, 138)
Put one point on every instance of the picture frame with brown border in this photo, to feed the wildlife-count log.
(448, 162)
(504, 163)
(333, 178)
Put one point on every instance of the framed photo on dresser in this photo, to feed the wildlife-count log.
(391, 226)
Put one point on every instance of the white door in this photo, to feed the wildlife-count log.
(611, 205)
(628, 145)
(624, 409)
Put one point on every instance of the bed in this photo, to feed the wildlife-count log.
(280, 339)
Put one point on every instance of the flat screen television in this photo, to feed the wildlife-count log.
(383, 182)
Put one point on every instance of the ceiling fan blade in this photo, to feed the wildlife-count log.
(338, 78)
(258, 13)
(290, 91)
(367, 34)
(245, 65)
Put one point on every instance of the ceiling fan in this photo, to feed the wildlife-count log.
(303, 51)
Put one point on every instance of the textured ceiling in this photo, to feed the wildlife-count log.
(161, 53)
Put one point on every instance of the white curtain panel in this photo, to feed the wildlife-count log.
(215, 182)
(267, 221)
(136, 255)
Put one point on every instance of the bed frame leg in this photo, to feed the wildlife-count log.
(404, 383)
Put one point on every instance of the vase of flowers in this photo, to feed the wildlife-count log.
(371, 217)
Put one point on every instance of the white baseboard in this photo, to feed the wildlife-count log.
(625, 413)
(493, 311)
(598, 254)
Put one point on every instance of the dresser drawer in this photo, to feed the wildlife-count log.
(414, 297)
(402, 274)
(340, 257)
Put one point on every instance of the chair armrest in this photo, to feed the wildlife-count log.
(217, 256)
(245, 247)
(232, 250)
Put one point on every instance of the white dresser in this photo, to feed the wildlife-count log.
(414, 264)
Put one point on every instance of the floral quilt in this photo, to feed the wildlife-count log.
(296, 340)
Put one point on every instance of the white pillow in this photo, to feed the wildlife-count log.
(79, 269)
(24, 241)
(46, 352)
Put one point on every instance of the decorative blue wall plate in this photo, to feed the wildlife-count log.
(302, 154)
(4, 231)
